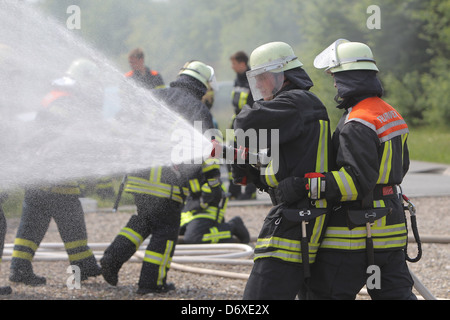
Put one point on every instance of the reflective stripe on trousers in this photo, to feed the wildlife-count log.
(162, 260)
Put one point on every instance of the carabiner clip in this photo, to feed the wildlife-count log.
(411, 207)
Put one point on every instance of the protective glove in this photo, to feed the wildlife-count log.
(192, 204)
(239, 174)
(244, 174)
(211, 197)
(291, 189)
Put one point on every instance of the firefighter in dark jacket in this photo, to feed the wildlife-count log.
(143, 75)
(240, 96)
(70, 98)
(160, 192)
(4, 290)
(297, 124)
(367, 225)
(5, 53)
(202, 223)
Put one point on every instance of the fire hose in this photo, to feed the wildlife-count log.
(233, 253)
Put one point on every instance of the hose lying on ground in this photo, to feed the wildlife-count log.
(232, 253)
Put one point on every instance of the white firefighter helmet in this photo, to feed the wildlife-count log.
(83, 70)
(343, 55)
(200, 71)
(270, 58)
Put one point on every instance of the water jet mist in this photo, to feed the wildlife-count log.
(126, 130)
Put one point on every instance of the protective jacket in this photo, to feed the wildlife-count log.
(150, 79)
(241, 94)
(372, 158)
(60, 107)
(302, 124)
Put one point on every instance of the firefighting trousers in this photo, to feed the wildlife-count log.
(207, 231)
(341, 275)
(38, 210)
(274, 279)
(160, 218)
(2, 232)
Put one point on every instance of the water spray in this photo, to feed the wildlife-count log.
(131, 130)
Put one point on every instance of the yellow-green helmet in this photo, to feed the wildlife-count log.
(200, 71)
(274, 57)
(343, 55)
(83, 70)
(270, 61)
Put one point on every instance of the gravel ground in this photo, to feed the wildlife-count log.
(432, 270)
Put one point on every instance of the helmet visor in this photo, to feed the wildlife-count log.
(212, 81)
(266, 80)
(328, 58)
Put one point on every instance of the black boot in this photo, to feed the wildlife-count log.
(148, 279)
(239, 229)
(5, 291)
(22, 271)
(89, 268)
(158, 289)
(119, 251)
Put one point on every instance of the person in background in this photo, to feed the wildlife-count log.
(5, 53)
(142, 74)
(4, 290)
(203, 220)
(240, 96)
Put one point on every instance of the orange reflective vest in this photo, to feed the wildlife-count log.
(378, 116)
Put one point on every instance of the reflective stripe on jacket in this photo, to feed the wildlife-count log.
(154, 186)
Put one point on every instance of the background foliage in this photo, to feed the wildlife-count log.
(411, 47)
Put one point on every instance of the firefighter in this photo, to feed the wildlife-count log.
(201, 223)
(5, 54)
(73, 94)
(240, 96)
(142, 74)
(284, 108)
(367, 224)
(4, 290)
(159, 192)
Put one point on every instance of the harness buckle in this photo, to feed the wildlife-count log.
(303, 213)
(370, 215)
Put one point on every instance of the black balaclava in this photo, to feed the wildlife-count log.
(356, 85)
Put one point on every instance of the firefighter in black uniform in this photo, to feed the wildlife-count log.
(367, 225)
(3, 195)
(240, 96)
(202, 223)
(143, 75)
(284, 108)
(159, 192)
(5, 53)
(70, 98)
